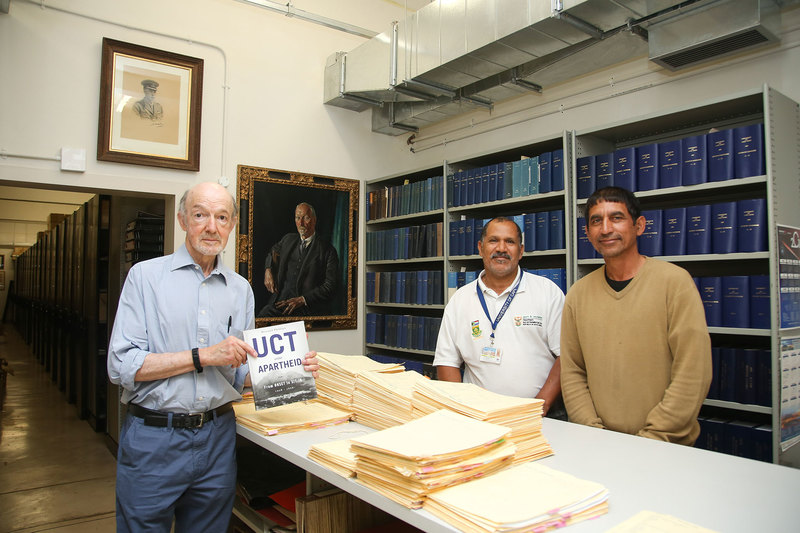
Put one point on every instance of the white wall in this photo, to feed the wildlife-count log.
(271, 67)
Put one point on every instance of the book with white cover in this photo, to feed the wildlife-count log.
(277, 373)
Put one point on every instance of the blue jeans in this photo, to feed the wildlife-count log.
(188, 474)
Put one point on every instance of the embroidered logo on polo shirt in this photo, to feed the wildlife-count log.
(528, 320)
(476, 328)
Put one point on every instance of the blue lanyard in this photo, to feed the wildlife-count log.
(503, 309)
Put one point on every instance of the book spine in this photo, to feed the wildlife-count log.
(759, 302)
(604, 163)
(764, 378)
(748, 151)
(720, 155)
(529, 232)
(650, 242)
(585, 248)
(542, 230)
(625, 168)
(508, 181)
(485, 175)
(670, 167)
(546, 172)
(586, 176)
(556, 236)
(698, 229)
(713, 390)
(735, 301)
(752, 220)
(532, 164)
(491, 194)
(452, 284)
(724, 228)
(454, 199)
(557, 172)
(727, 374)
(675, 231)
(647, 167)
(711, 295)
(693, 159)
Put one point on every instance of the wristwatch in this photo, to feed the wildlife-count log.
(196, 360)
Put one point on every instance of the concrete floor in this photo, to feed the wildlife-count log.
(56, 473)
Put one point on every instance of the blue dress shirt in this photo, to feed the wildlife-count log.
(168, 305)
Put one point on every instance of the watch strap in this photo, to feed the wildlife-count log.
(196, 360)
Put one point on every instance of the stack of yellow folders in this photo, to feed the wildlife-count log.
(383, 400)
(337, 377)
(522, 415)
(525, 497)
(335, 455)
(288, 418)
(405, 463)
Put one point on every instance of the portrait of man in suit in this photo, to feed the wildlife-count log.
(301, 270)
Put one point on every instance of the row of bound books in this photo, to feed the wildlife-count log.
(735, 301)
(540, 231)
(405, 243)
(420, 287)
(525, 177)
(736, 437)
(403, 331)
(406, 199)
(720, 228)
(456, 280)
(715, 156)
(426, 369)
(742, 375)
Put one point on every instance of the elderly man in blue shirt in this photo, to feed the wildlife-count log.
(180, 368)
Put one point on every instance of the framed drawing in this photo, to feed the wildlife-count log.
(297, 246)
(150, 107)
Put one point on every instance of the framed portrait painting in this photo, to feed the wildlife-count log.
(150, 107)
(297, 246)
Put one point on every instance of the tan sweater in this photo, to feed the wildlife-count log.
(639, 360)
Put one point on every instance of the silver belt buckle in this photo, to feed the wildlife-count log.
(199, 418)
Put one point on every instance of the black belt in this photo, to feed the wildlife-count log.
(179, 420)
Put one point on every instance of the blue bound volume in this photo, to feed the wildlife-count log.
(735, 301)
(532, 165)
(557, 166)
(651, 240)
(727, 374)
(759, 302)
(698, 229)
(748, 151)
(556, 237)
(723, 228)
(604, 164)
(764, 379)
(711, 295)
(752, 219)
(693, 157)
(546, 172)
(720, 155)
(586, 176)
(647, 167)
(492, 193)
(675, 231)
(670, 164)
(585, 248)
(625, 168)
(713, 390)
(529, 232)
(507, 182)
(542, 230)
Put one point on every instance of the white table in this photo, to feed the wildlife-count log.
(710, 489)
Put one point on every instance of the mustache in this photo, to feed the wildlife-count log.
(504, 255)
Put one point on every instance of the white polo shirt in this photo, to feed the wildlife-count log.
(528, 336)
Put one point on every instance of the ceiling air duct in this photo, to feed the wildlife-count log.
(711, 30)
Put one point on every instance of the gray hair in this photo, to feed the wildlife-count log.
(310, 207)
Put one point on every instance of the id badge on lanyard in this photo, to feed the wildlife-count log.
(492, 354)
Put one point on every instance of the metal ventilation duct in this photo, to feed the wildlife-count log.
(712, 30)
(452, 56)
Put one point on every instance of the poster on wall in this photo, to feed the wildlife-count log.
(789, 275)
(790, 392)
(150, 107)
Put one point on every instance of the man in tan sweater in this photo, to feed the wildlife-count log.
(635, 350)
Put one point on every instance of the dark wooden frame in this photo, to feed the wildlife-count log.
(268, 197)
(105, 152)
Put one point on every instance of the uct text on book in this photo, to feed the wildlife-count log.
(277, 372)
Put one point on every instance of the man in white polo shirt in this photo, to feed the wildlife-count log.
(504, 327)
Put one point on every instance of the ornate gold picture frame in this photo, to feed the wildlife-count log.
(276, 210)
